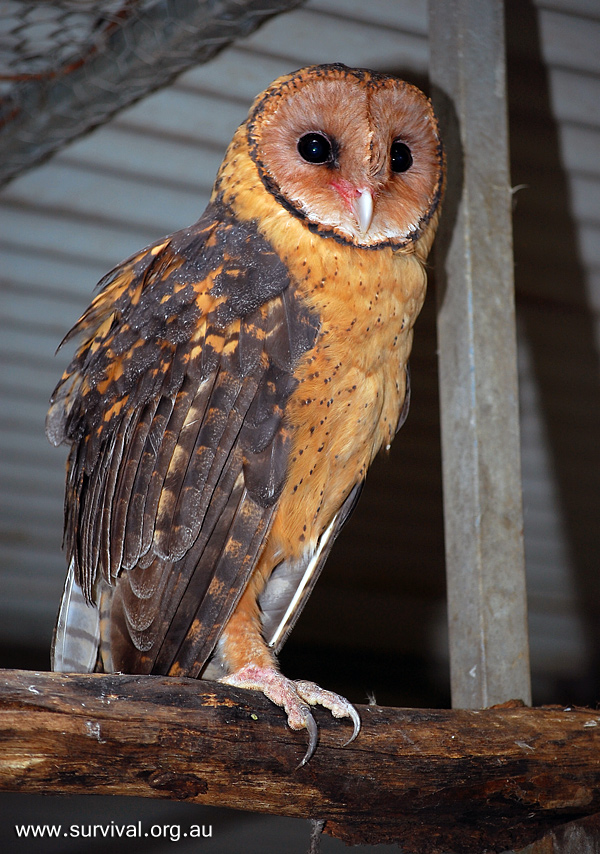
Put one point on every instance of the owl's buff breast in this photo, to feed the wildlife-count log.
(352, 384)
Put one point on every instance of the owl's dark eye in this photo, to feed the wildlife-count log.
(315, 148)
(400, 156)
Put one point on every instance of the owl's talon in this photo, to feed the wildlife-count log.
(313, 737)
(293, 698)
(355, 718)
(337, 705)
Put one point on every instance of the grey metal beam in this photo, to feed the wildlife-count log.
(489, 657)
(136, 57)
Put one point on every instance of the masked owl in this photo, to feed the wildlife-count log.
(233, 383)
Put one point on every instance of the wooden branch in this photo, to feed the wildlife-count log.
(431, 780)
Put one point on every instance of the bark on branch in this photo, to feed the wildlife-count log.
(431, 780)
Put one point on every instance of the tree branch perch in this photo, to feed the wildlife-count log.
(431, 780)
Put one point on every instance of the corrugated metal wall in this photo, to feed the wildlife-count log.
(555, 140)
(149, 171)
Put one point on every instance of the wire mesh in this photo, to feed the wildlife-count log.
(67, 66)
(42, 39)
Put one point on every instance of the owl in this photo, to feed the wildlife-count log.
(233, 383)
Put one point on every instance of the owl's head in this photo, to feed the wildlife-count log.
(354, 154)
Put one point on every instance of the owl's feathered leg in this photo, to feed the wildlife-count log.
(252, 665)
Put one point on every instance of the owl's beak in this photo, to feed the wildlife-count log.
(363, 207)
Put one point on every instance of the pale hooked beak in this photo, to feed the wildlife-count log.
(363, 207)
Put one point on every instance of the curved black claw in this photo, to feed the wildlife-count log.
(355, 718)
(313, 736)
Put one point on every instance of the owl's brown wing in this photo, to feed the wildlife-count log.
(174, 407)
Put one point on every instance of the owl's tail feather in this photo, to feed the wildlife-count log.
(77, 631)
